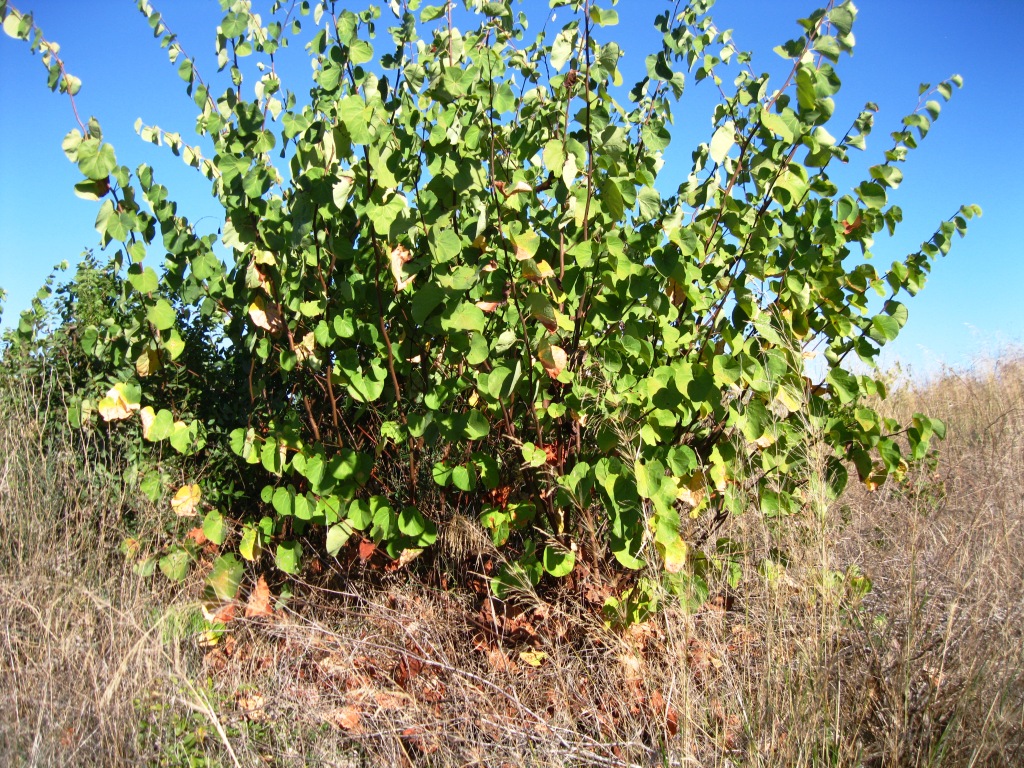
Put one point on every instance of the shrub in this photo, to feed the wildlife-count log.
(461, 278)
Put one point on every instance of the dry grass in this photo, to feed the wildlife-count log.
(793, 667)
(79, 640)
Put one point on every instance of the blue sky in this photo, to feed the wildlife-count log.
(970, 309)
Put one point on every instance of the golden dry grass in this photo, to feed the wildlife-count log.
(792, 667)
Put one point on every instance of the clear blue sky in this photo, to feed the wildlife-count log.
(970, 308)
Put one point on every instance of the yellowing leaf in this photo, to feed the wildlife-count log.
(266, 315)
(520, 188)
(526, 245)
(692, 492)
(148, 416)
(537, 271)
(554, 359)
(115, 406)
(148, 362)
(487, 306)
(305, 348)
(533, 658)
(400, 256)
(186, 500)
(674, 554)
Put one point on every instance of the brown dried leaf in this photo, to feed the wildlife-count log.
(499, 661)
(416, 737)
(252, 705)
(197, 535)
(387, 700)
(366, 549)
(225, 614)
(259, 601)
(346, 718)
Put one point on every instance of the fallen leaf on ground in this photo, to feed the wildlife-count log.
(259, 601)
(346, 718)
(366, 550)
(414, 737)
(197, 535)
(499, 661)
(252, 705)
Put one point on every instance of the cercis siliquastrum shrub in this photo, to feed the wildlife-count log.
(460, 278)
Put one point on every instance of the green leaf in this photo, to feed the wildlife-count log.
(650, 203)
(603, 17)
(558, 562)
(842, 18)
(15, 25)
(234, 25)
(844, 385)
(723, 140)
(174, 564)
(161, 428)
(464, 477)
(778, 126)
(222, 583)
(444, 244)
(884, 328)
(337, 537)
(284, 501)
(554, 156)
(464, 317)
(289, 557)
(562, 48)
(360, 52)
(145, 281)
(152, 486)
(214, 527)
(477, 425)
(161, 315)
(871, 194)
(96, 160)
(430, 12)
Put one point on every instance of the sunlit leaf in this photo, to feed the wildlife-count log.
(185, 501)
